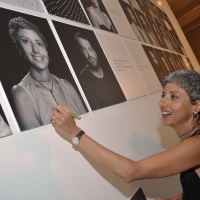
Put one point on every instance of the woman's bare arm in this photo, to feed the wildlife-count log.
(164, 164)
(24, 109)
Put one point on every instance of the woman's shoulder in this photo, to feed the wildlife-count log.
(18, 92)
(17, 89)
(191, 147)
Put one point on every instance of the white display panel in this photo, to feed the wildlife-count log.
(146, 71)
(124, 69)
(121, 23)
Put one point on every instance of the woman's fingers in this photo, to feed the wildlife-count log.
(63, 122)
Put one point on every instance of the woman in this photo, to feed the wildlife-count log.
(39, 90)
(180, 107)
(98, 18)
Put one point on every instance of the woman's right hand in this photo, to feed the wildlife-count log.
(64, 123)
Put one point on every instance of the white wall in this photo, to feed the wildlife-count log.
(39, 165)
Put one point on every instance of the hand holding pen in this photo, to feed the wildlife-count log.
(72, 114)
(63, 122)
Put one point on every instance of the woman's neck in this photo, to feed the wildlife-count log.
(42, 76)
(189, 131)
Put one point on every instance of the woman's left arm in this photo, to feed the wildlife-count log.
(167, 163)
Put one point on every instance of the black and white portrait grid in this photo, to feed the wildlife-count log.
(157, 26)
(68, 9)
(14, 66)
(100, 92)
(163, 62)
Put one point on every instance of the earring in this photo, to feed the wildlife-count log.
(22, 56)
(49, 59)
(195, 115)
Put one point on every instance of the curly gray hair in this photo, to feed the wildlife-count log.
(188, 80)
(20, 23)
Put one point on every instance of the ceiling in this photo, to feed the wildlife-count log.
(187, 13)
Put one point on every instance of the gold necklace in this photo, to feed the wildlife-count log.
(187, 134)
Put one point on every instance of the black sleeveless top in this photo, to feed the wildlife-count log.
(190, 182)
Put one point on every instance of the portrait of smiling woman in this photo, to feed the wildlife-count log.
(39, 90)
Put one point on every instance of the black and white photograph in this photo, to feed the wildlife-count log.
(98, 15)
(153, 32)
(172, 41)
(143, 21)
(178, 43)
(68, 9)
(164, 36)
(155, 10)
(176, 61)
(170, 60)
(180, 60)
(135, 5)
(143, 6)
(167, 22)
(164, 62)
(156, 64)
(5, 129)
(96, 77)
(150, 11)
(154, 25)
(29, 4)
(39, 77)
(134, 22)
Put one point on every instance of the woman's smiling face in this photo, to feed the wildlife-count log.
(33, 48)
(175, 106)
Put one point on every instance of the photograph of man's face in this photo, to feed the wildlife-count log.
(91, 66)
(88, 51)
